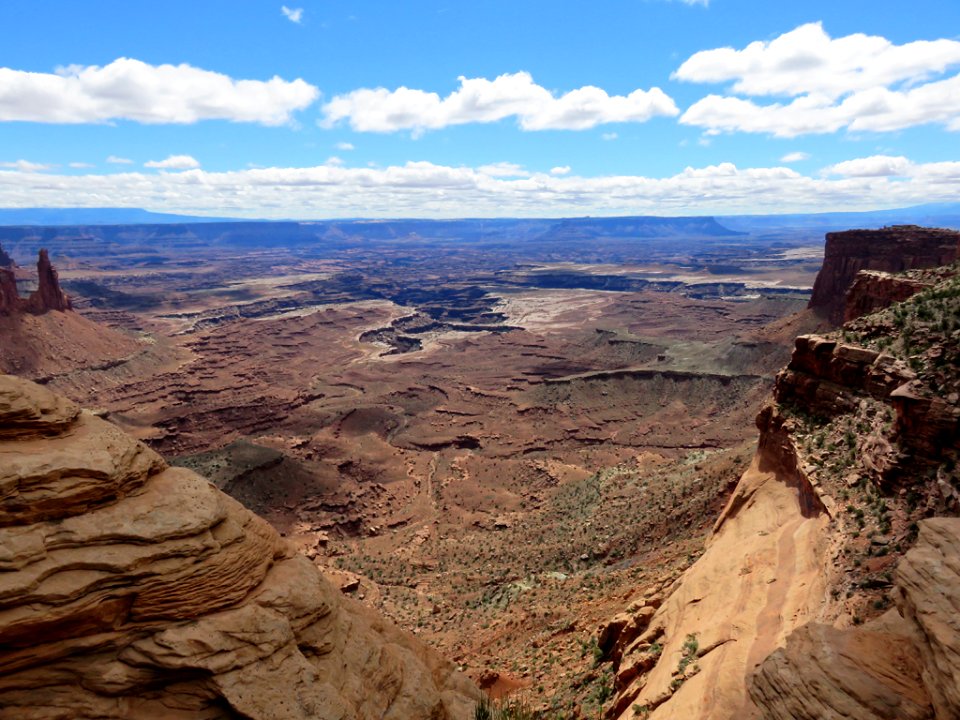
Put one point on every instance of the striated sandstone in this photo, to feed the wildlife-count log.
(827, 673)
(891, 249)
(929, 597)
(129, 590)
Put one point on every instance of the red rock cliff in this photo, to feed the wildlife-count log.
(894, 249)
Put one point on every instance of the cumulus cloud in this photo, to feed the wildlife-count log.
(479, 100)
(174, 162)
(795, 157)
(294, 15)
(423, 189)
(116, 160)
(345, 146)
(560, 170)
(857, 82)
(128, 89)
(25, 166)
(873, 166)
(80, 165)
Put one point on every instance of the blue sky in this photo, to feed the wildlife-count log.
(326, 108)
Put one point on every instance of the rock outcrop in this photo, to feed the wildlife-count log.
(48, 295)
(9, 297)
(890, 250)
(787, 612)
(129, 589)
(5, 260)
(906, 665)
(873, 290)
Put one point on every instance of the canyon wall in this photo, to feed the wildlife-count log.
(129, 589)
(823, 591)
(890, 250)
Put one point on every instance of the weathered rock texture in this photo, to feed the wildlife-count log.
(873, 290)
(893, 249)
(899, 667)
(928, 580)
(5, 260)
(827, 672)
(132, 590)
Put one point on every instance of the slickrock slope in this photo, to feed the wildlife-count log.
(797, 608)
(132, 590)
(890, 250)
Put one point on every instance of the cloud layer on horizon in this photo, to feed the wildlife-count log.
(423, 189)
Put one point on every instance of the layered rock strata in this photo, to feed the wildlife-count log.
(890, 250)
(129, 589)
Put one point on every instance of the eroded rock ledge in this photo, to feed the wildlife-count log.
(129, 589)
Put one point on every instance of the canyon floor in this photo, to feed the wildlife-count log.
(497, 454)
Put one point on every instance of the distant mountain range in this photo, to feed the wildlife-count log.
(93, 216)
(944, 214)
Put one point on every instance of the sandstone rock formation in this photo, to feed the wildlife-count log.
(132, 590)
(783, 616)
(873, 290)
(896, 668)
(893, 249)
(9, 298)
(49, 295)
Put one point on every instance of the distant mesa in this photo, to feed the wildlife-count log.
(890, 250)
(48, 295)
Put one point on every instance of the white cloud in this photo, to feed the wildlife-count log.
(560, 170)
(174, 162)
(857, 82)
(479, 100)
(874, 166)
(25, 166)
(423, 189)
(80, 165)
(503, 169)
(128, 89)
(345, 146)
(807, 60)
(609, 136)
(334, 161)
(294, 15)
(115, 160)
(793, 157)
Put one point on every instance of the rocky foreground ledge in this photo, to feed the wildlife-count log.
(129, 589)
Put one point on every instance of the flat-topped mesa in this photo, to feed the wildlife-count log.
(48, 295)
(893, 249)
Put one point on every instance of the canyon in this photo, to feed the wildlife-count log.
(502, 458)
